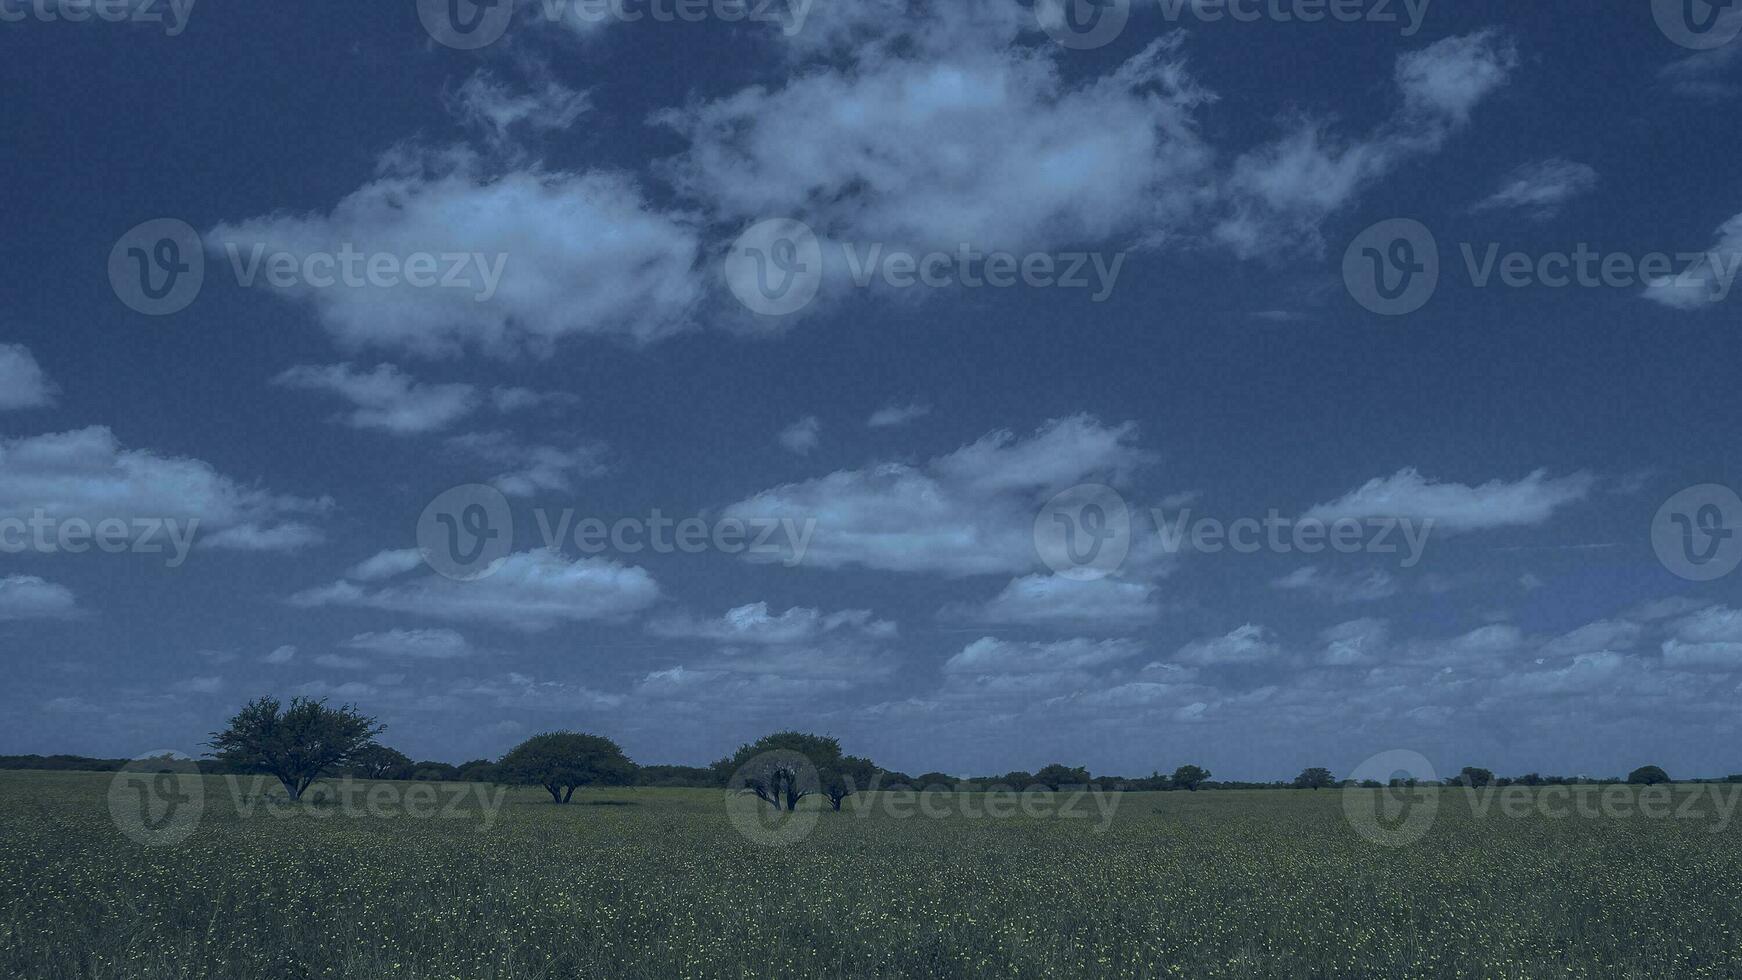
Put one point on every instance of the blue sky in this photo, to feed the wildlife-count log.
(598, 350)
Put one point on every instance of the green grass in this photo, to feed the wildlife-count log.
(1213, 884)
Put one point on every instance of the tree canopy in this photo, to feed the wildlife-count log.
(298, 744)
(563, 762)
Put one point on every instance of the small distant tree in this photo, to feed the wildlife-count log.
(478, 771)
(435, 772)
(782, 769)
(1190, 777)
(1057, 775)
(563, 762)
(841, 780)
(1314, 778)
(1473, 777)
(380, 762)
(1647, 776)
(298, 744)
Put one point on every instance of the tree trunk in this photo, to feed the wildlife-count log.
(555, 792)
(568, 794)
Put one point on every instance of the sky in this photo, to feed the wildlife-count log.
(1259, 385)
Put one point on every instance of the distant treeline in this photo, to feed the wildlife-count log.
(388, 764)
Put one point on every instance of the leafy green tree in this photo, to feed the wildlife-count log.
(928, 780)
(563, 762)
(380, 762)
(1647, 776)
(1314, 778)
(298, 744)
(478, 771)
(1473, 777)
(1056, 775)
(782, 769)
(1190, 777)
(846, 777)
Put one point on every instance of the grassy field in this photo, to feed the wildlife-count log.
(658, 883)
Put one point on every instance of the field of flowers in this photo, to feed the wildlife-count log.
(658, 883)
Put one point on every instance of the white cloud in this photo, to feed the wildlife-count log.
(22, 381)
(1358, 642)
(1368, 586)
(1455, 507)
(387, 400)
(529, 590)
(1709, 281)
(1708, 74)
(970, 512)
(532, 469)
(502, 110)
(282, 655)
(994, 656)
(430, 644)
(1607, 635)
(87, 474)
(1542, 188)
(386, 565)
(579, 254)
(1710, 638)
(1247, 645)
(1279, 194)
(29, 597)
(1054, 601)
(803, 436)
(895, 415)
(754, 624)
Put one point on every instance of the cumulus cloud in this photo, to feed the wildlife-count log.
(754, 624)
(1456, 507)
(280, 656)
(896, 415)
(87, 474)
(1368, 586)
(386, 399)
(1708, 639)
(530, 469)
(970, 512)
(22, 381)
(1280, 193)
(532, 591)
(1055, 601)
(1709, 281)
(1541, 189)
(427, 644)
(28, 597)
(386, 565)
(989, 655)
(1249, 644)
(549, 255)
(803, 436)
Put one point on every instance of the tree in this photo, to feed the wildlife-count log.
(1473, 777)
(845, 778)
(478, 771)
(380, 762)
(563, 762)
(1314, 778)
(1190, 777)
(1057, 775)
(298, 744)
(1647, 776)
(435, 772)
(782, 769)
